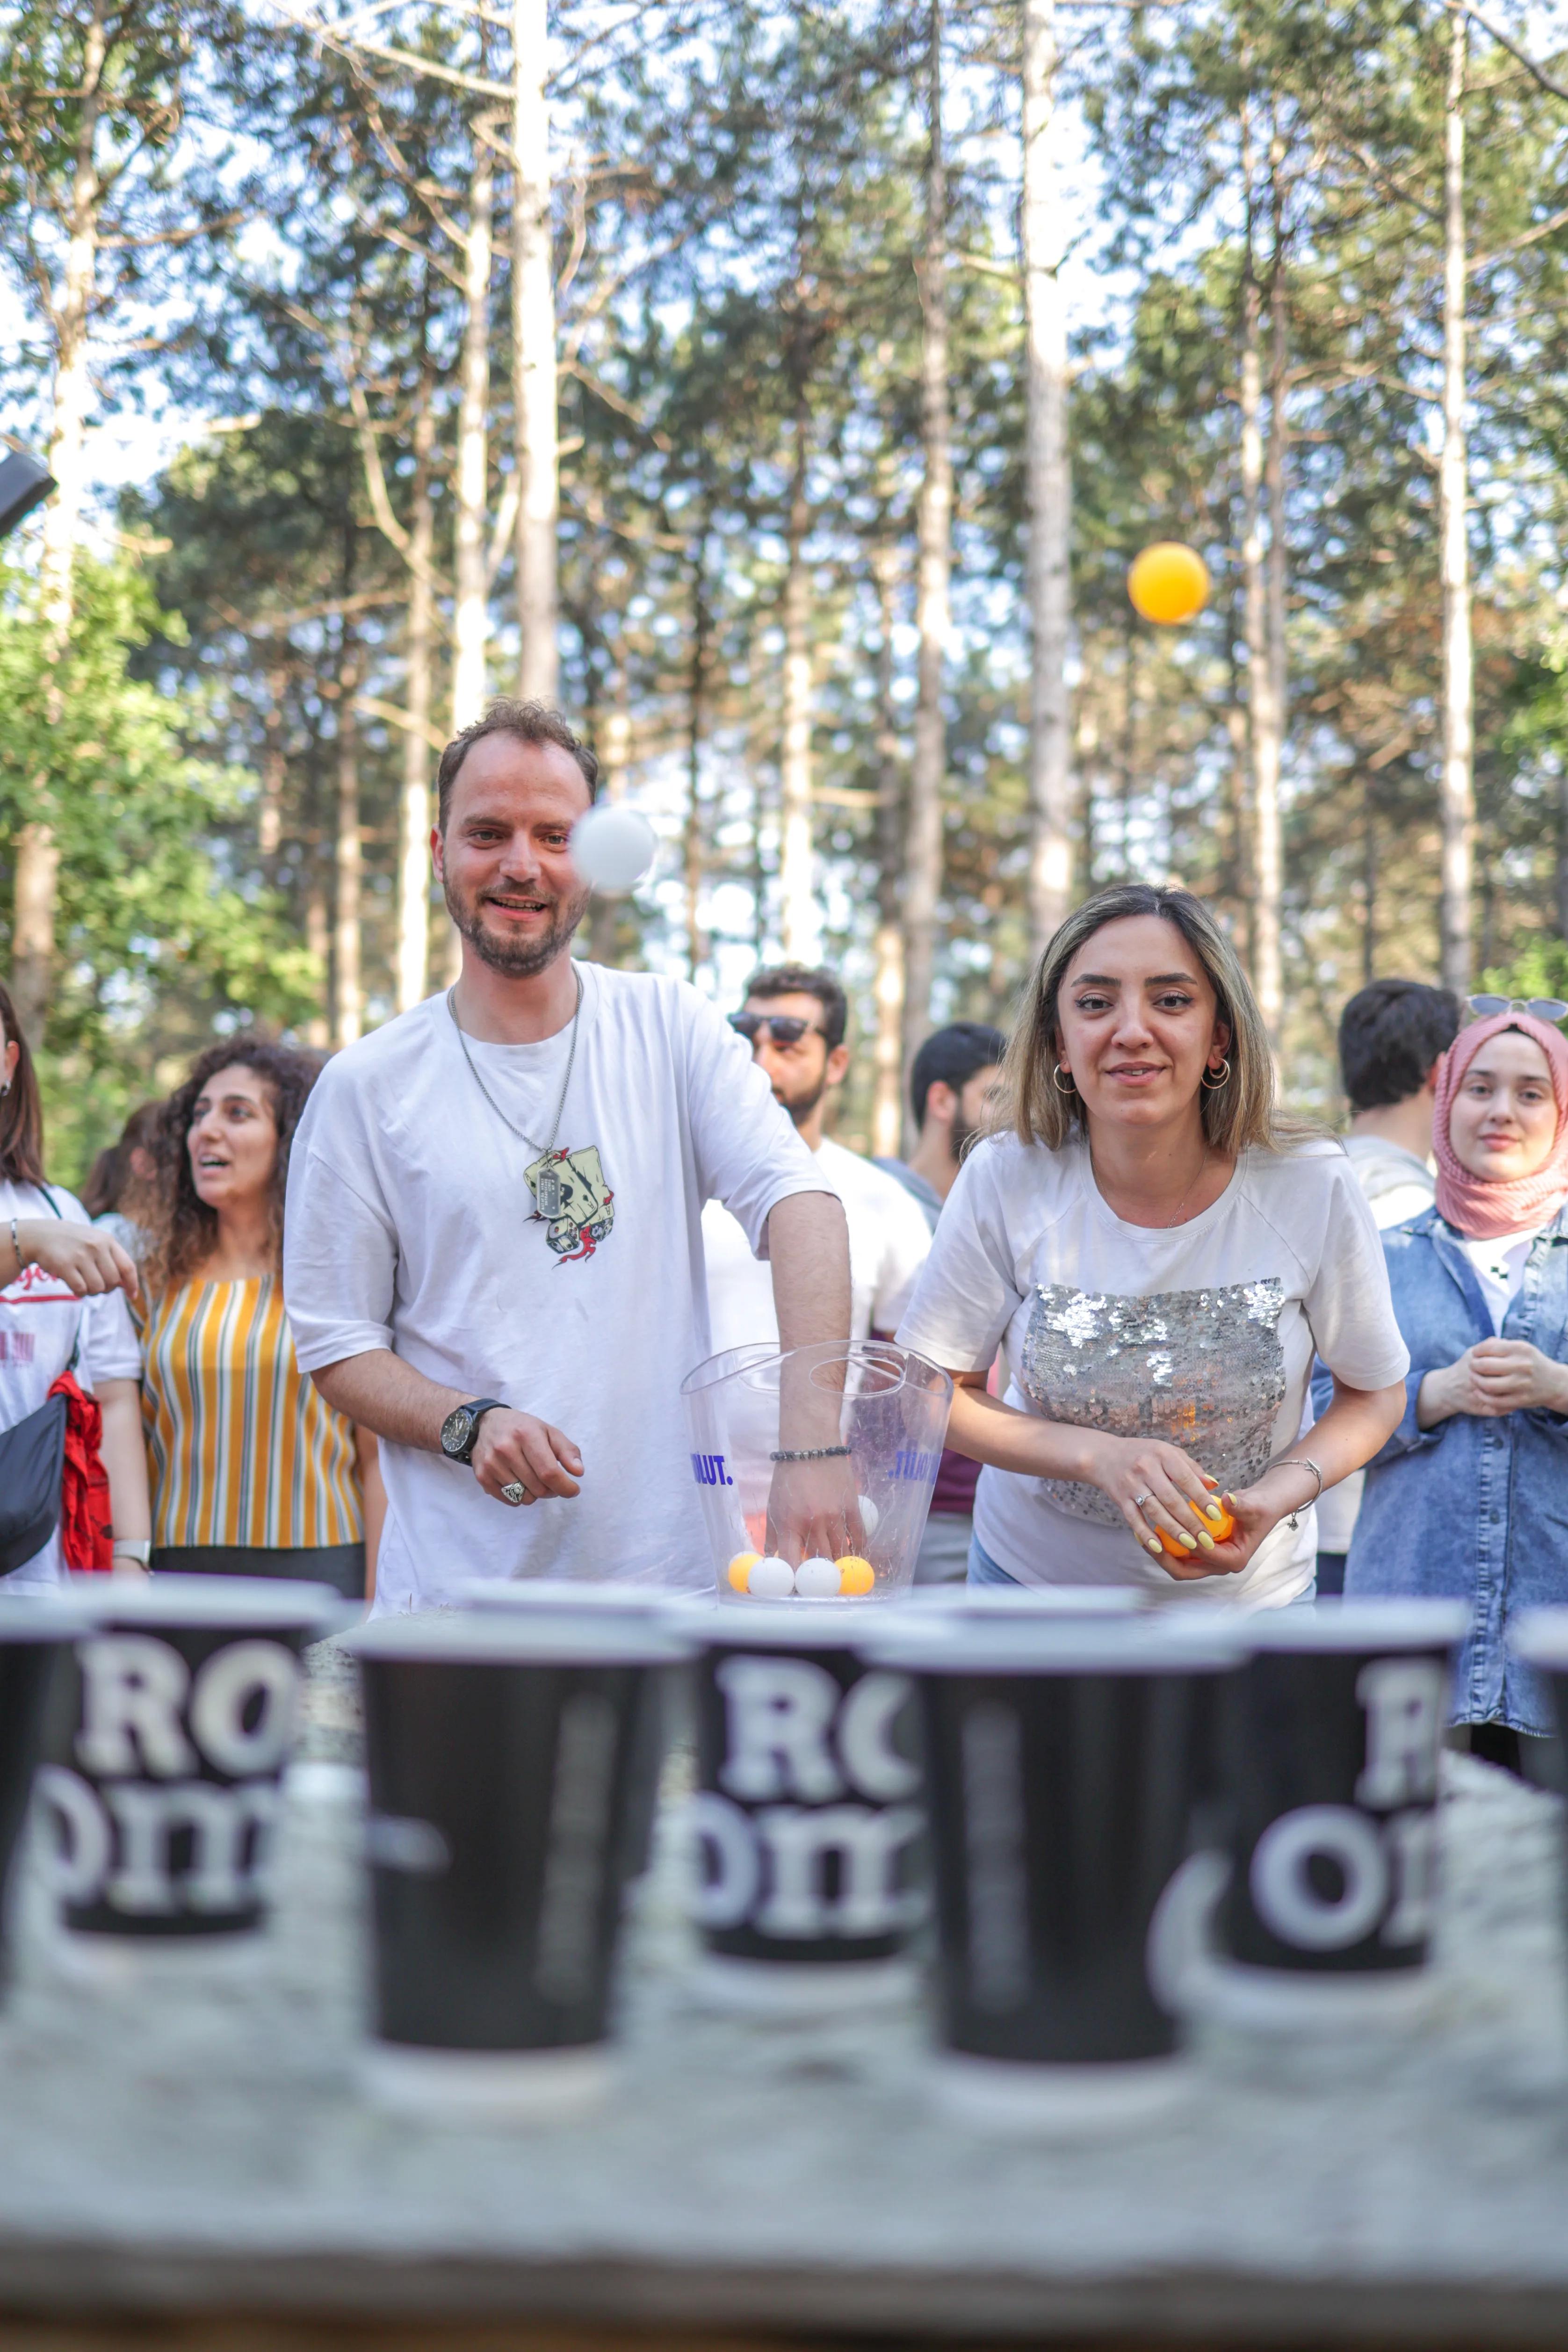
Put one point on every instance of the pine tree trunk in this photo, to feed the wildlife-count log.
(1453, 495)
(888, 1100)
(269, 811)
(696, 729)
(614, 760)
(802, 933)
(923, 853)
(414, 802)
(534, 354)
(1368, 882)
(348, 1005)
(1271, 878)
(319, 942)
(1262, 711)
(1049, 485)
(470, 618)
(36, 875)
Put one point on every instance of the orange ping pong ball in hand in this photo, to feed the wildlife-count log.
(1221, 1529)
(1168, 582)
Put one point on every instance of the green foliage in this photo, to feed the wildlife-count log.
(158, 944)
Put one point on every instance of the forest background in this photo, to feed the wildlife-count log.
(785, 390)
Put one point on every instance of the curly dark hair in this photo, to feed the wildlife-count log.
(181, 1229)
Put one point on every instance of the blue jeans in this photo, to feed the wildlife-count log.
(983, 1569)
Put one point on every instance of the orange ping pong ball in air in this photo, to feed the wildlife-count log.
(1168, 582)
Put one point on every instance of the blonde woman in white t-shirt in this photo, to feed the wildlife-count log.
(1159, 1253)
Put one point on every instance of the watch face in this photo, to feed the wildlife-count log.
(456, 1430)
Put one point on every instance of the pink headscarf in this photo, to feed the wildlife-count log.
(1482, 1207)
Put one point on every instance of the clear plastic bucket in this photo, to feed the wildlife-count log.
(815, 1467)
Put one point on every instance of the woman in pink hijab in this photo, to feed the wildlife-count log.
(1469, 1496)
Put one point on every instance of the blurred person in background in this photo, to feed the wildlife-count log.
(63, 1312)
(794, 1019)
(951, 1080)
(253, 1472)
(1466, 1499)
(1163, 1253)
(116, 1188)
(953, 1083)
(1393, 1036)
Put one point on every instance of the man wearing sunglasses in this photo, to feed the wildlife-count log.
(794, 1019)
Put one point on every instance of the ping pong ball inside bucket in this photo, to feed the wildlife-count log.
(855, 1575)
(613, 847)
(771, 1578)
(869, 1514)
(740, 1569)
(817, 1579)
(1168, 582)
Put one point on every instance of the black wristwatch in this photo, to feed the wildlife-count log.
(461, 1427)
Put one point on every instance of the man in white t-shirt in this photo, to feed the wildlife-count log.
(1393, 1035)
(794, 1020)
(492, 1251)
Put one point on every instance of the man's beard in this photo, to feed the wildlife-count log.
(800, 1107)
(517, 959)
(961, 1135)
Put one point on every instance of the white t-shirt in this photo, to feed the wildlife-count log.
(1201, 1333)
(39, 1321)
(1500, 1266)
(1395, 1185)
(411, 1226)
(890, 1241)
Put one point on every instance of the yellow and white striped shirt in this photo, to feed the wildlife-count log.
(243, 1448)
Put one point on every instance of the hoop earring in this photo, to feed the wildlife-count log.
(1211, 1085)
(1056, 1081)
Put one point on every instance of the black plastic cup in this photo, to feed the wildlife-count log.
(163, 1807)
(34, 1637)
(1061, 1772)
(558, 1597)
(1330, 1739)
(501, 1752)
(808, 1879)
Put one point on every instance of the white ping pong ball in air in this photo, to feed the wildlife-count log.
(771, 1578)
(817, 1579)
(613, 847)
(869, 1514)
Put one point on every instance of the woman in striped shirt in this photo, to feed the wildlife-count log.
(253, 1472)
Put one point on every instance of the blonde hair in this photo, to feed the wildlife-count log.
(1240, 1113)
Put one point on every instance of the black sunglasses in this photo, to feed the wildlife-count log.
(784, 1028)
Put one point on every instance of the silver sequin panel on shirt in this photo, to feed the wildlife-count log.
(1201, 1368)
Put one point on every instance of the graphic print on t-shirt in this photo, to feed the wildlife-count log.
(571, 1197)
(1203, 1369)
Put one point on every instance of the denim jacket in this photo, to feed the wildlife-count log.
(1475, 1508)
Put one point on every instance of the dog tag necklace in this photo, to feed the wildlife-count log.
(543, 1178)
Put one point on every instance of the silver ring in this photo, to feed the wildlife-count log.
(514, 1493)
(1139, 1501)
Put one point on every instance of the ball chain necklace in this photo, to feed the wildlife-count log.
(543, 1178)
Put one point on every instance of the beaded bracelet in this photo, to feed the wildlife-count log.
(811, 1454)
